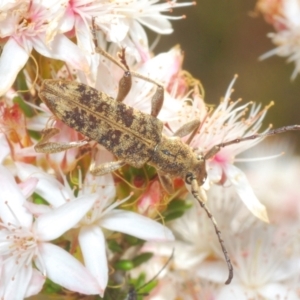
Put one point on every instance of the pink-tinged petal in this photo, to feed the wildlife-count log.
(150, 199)
(14, 285)
(164, 65)
(51, 225)
(83, 36)
(67, 21)
(12, 200)
(4, 147)
(48, 187)
(36, 283)
(28, 187)
(244, 190)
(27, 152)
(63, 269)
(136, 225)
(140, 40)
(63, 49)
(92, 245)
(13, 59)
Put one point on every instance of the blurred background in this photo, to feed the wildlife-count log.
(223, 38)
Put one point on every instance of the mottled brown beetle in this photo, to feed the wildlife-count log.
(135, 138)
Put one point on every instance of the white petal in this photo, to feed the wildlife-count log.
(12, 200)
(158, 24)
(51, 225)
(118, 30)
(215, 271)
(83, 36)
(4, 147)
(92, 245)
(234, 291)
(13, 59)
(277, 291)
(48, 187)
(63, 269)
(36, 283)
(67, 22)
(136, 225)
(28, 187)
(64, 49)
(37, 209)
(244, 190)
(140, 39)
(14, 288)
(214, 171)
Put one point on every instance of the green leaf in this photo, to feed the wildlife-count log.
(178, 205)
(27, 110)
(50, 287)
(37, 199)
(114, 246)
(34, 134)
(133, 241)
(176, 209)
(124, 265)
(138, 260)
(173, 216)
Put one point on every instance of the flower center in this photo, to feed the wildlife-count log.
(17, 243)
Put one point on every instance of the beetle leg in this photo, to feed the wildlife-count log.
(43, 146)
(125, 82)
(106, 168)
(124, 86)
(188, 128)
(166, 182)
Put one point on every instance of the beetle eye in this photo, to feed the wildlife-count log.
(189, 177)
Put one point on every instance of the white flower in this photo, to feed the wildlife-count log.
(24, 241)
(103, 215)
(266, 265)
(276, 179)
(34, 24)
(133, 13)
(227, 122)
(197, 249)
(285, 17)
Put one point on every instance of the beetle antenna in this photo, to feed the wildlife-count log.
(214, 150)
(157, 274)
(133, 293)
(195, 192)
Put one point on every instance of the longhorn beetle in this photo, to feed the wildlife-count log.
(135, 138)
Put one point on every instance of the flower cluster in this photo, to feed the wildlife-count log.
(65, 232)
(285, 17)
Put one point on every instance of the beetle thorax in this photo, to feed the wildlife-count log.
(173, 157)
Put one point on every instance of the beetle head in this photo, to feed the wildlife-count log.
(197, 171)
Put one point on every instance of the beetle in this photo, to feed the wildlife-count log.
(135, 138)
